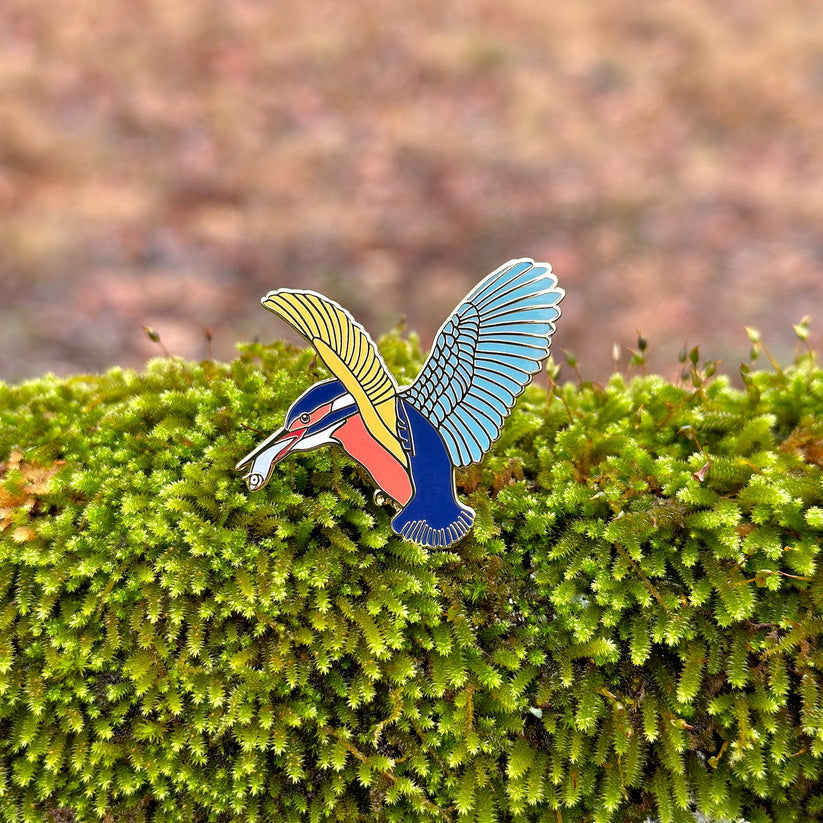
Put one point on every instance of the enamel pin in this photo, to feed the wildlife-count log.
(411, 438)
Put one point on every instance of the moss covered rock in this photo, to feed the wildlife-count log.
(632, 629)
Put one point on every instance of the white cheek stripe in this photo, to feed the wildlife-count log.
(321, 438)
(342, 402)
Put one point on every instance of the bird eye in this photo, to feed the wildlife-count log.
(305, 418)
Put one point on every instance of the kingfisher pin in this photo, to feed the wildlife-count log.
(411, 438)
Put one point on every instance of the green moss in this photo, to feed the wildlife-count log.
(632, 629)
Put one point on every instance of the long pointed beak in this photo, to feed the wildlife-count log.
(260, 462)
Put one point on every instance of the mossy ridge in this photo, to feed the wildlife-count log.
(632, 629)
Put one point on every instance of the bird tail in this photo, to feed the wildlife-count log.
(435, 529)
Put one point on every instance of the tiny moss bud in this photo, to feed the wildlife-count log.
(801, 329)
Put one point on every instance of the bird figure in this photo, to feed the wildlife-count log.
(410, 439)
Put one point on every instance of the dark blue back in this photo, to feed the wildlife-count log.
(433, 516)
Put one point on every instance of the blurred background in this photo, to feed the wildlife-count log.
(166, 162)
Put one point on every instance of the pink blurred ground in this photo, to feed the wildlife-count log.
(166, 163)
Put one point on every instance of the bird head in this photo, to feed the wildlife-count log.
(310, 422)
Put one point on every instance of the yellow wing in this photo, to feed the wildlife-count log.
(350, 355)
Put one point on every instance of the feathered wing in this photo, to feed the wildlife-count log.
(351, 356)
(485, 354)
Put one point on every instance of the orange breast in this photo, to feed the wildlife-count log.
(388, 472)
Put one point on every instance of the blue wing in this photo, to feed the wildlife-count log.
(485, 354)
